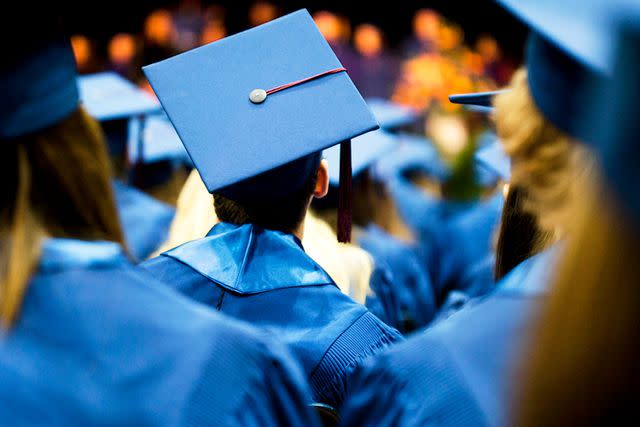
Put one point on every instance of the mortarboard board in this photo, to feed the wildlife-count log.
(493, 157)
(391, 115)
(270, 97)
(108, 96)
(569, 48)
(366, 150)
(38, 90)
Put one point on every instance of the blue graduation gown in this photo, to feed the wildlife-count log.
(463, 259)
(459, 371)
(145, 220)
(266, 278)
(402, 292)
(98, 342)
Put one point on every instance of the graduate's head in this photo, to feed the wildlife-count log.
(277, 199)
(539, 119)
(582, 363)
(54, 167)
(545, 161)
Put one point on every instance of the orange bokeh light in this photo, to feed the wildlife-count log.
(262, 12)
(329, 25)
(426, 24)
(122, 48)
(213, 30)
(368, 40)
(159, 28)
(82, 51)
(488, 48)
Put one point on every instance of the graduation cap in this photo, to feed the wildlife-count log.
(366, 150)
(478, 99)
(568, 49)
(612, 117)
(113, 101)
(493, 157)
(38, 89)
(153, 139)
(108, 96)
(391, 115)
(255, 110)
(412, 153)
(479, 102)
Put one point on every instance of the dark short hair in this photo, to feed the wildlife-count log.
(281, 214)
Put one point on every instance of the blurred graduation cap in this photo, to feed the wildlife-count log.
(38, 89)
(366, 150)
(108, 96)
(153, 139)
(258, 108)
(493, 157)
(412, 153)
(568, 49)
(612, 116)
(391, 115)
(113, 100)
(479, 101)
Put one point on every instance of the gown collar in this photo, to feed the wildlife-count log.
(248, 259)
(63, 254)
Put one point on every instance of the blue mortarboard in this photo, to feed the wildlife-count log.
(413, 153)
(153, 139)
(569, 48)
(108, 96)
(613, 115)
(270, 97)
(391, 115)
(493, 157)
(39, 90)
(366, 150)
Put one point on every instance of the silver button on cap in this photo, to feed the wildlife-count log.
(257, 96)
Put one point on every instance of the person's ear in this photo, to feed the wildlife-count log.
(322, 180)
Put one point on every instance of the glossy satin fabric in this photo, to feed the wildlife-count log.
(100, 343)
(265, 278)
(458, 372)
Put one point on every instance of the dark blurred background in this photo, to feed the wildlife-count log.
(413, 52)
(101, 19)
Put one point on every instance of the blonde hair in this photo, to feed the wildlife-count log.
(544, 160)
(581, 367)
(57, 183)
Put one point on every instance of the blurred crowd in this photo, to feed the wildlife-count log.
(420, 72)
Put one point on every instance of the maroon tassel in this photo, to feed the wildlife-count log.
(345, 195)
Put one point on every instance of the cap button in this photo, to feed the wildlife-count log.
(257, 96)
